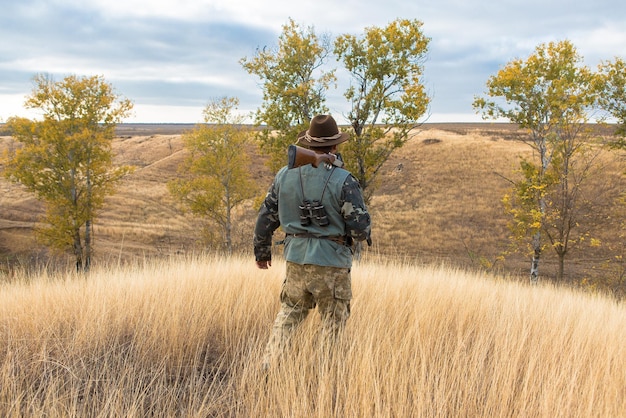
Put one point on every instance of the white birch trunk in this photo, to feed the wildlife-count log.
(534, 267)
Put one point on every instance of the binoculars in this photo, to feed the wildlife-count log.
(313, 211)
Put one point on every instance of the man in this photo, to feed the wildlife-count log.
(321, 211)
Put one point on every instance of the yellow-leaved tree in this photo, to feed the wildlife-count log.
(612, 87)
(386, 95)
(612, 98)
(550, 96)
(294, 87)
(215, 177)
(66, 158)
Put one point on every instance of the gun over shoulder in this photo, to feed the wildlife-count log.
(298, 156)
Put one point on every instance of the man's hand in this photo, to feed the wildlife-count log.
(264, 265)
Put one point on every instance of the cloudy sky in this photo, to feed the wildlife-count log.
(170, 57)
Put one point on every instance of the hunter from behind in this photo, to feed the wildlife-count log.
(320, 207)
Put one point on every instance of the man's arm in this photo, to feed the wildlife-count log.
(267, 222)
(354, 212)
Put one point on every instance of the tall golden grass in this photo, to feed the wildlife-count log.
(185, 337)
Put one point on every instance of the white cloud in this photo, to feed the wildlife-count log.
(143, 113)
(13, 105)
(454, 117)
(51, 64)
(243, 11)
(182, 53)
(602, 43)
(173, 9)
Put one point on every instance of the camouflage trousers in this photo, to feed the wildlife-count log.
(304, 287)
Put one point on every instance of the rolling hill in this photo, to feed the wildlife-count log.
(437, 200)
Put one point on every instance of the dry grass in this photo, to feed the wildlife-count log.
(438, 200)
(446, 194)
(184, 338)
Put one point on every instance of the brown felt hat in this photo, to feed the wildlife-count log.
(322, 132)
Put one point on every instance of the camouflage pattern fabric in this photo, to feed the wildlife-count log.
(355, 214)
(306, 286)
(267, 222)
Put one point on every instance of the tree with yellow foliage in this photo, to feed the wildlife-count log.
(612, 85)
(66, 158)
(386, 95)
(215, 175)
(294, 87)
(549, 95)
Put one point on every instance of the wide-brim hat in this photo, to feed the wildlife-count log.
(322, 132)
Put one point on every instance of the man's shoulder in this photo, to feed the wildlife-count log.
(347, 177)
(343, 173)
(280, 174)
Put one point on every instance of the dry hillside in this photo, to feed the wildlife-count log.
(438, 199)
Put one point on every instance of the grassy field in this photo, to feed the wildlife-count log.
(438, 200)
(184, 338)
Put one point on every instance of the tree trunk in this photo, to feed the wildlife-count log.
(534, 267)
(561, 272)
(228, 228)
(88, 230)
(229, 239)
(78, 250)
(88, 222)
(77, 245)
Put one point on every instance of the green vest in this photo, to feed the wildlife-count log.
(323, 184)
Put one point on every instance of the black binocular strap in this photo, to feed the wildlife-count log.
(325, 184)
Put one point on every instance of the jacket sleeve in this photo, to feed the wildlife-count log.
(266, 223)
(354, 212)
